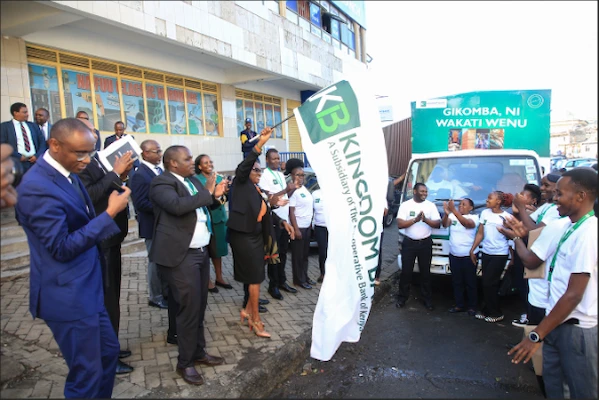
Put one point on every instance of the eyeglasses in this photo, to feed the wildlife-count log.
(257, 170)
(81, 155)
(154, 151)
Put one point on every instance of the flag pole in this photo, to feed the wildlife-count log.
(255, 138)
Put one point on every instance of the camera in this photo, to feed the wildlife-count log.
(17, 171)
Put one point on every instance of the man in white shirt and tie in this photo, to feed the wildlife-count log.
(41, 117)
(25, 137)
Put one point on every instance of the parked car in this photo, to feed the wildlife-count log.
(589, 164)
(577, 162)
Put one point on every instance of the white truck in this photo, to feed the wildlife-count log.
(467, 173)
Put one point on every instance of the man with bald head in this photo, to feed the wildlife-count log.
(83, 116)
(182, 232)
(140, 186)
(64, 234)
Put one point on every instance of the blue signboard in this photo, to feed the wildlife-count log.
(353, 9)
(315, 14)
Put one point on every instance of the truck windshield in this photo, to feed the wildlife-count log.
(472, 177)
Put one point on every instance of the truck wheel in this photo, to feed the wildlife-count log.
(389, 219)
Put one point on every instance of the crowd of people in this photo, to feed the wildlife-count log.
(560, 298)
(74, 211)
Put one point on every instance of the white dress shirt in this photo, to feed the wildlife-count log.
(55, 164)
(153, 167)
(21, 142)
(201, 236)
(44, 129)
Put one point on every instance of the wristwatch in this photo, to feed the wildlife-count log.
(535, 337)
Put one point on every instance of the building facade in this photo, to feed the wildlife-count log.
(179, 72)
(574, 138)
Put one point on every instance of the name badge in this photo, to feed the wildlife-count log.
(412, 213)
(275, 182)
(317, 200)
(302, 195)
(454, 223)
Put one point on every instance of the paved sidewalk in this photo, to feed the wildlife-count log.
(143, 330)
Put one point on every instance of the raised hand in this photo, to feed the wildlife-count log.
(451, 205)
(513, 228)
(265, 135)
(118, 201)
(123, 164)
(446, 208)
(220, 188)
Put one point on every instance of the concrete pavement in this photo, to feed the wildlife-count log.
(253, 366)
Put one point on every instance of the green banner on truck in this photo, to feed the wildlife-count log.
(516, 119)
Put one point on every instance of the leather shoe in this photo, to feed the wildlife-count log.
(288, 288)
(275, 293)
(223, 285)
(123, 368)
(172, 340)
(161, 304)
(209, 360)
(311, 282)
(124, 353)
(262, 309)
(263, 302)
(305, 286)
(213, 290)
(190, 375)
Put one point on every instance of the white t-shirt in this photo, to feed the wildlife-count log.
(578, 254)
(410, 209)
(274, 182)
(318, 209)
(461, 238)
(494, 243)
(550, 215)
(538, 288)
(302, 201)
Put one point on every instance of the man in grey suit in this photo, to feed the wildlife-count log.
(180, 249)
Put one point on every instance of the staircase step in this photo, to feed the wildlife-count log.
(133, 246)
(14, 244)
(11, 231)
(11, 274)
(16, 259)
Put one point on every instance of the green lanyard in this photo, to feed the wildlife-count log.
(541, 216)
(564, 238)
(277, 177)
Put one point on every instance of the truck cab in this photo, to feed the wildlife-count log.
(466, 173)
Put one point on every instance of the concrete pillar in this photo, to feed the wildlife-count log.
(14, 76)
(357, 41)
(282, 8)
(363, 42)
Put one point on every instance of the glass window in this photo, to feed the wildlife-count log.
(277, 115)
(260, 117)
(195, 114)
(292, 5)
(177, 111)
(269, 115)
(133, 104)
(211, 114)
(315, 14)
(335, 29)
(108, 106)
(44, 90)
(239, 112)
(249, 112)
(157, 113)
(78, 96)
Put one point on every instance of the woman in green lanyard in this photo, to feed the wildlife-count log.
(217, 247)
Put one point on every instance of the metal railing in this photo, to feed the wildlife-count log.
(286, 155)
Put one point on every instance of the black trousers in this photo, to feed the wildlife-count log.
(491, 271)
(519, 281)
(172, 310)
(412, 250)
(535, 315)
(112, 284)
(464, 278)
(188, 283)
(322, 237)
(380, 259)
(300, 248)
(276, 272)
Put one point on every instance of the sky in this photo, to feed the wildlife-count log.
(424, 49)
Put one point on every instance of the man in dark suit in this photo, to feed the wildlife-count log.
(140, 187)
(41, 118)
(82, 115)
(99, 183)
(180, 249)
(245, 137)
(119, 133)
(64, 234)
(25, 137)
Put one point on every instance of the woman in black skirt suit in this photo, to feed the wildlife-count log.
(250, 225)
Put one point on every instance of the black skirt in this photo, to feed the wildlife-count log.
(248, 255)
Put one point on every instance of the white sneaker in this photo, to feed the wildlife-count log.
(521, 322)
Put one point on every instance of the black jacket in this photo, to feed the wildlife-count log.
(140, 189)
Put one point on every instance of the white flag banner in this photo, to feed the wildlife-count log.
(342, 137)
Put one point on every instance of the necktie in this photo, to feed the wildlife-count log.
(159, 170)
(25, 138)
(76, 186)
(190, 185)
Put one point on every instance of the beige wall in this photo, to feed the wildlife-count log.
(14, 76)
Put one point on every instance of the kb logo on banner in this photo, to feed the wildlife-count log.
(341, 114)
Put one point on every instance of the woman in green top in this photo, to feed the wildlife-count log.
(217, 247)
